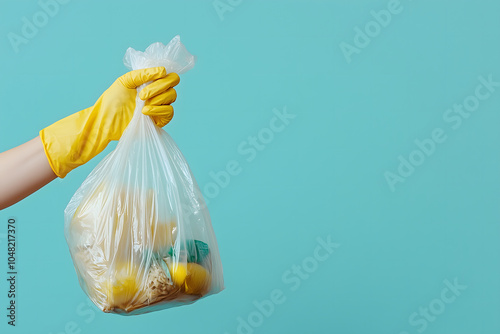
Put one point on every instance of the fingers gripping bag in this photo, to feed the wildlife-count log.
(138, 229)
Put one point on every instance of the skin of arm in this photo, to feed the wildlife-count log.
(23, 170)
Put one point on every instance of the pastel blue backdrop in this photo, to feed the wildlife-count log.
(365, 89)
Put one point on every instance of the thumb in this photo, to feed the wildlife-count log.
(134, 79)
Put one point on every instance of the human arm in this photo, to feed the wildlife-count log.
(76, 139)
(23, 170)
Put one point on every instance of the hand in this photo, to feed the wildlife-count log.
(74, 140)
(118, 102)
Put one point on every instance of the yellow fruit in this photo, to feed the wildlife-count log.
(122, 285)
(197, 280)
(193, 278)
(178, 273)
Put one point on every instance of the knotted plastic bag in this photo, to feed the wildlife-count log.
(138, 229)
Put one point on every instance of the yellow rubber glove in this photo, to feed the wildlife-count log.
(74, 140)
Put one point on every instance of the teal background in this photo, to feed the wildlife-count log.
(323, 175)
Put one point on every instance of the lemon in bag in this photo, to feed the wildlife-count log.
(191, 277)
(122, 285)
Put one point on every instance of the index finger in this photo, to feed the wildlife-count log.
(159, 86)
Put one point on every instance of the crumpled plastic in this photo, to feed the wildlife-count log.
(138, 228)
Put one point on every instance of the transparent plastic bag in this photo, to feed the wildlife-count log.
(138, 229)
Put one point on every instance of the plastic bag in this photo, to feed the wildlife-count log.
(138, 229)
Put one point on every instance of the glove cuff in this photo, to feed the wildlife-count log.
(67, 143)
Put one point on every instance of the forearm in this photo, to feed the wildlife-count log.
(23, 170)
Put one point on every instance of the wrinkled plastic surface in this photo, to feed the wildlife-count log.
(138, 229)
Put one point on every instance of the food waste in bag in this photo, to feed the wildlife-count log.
(138, 228)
